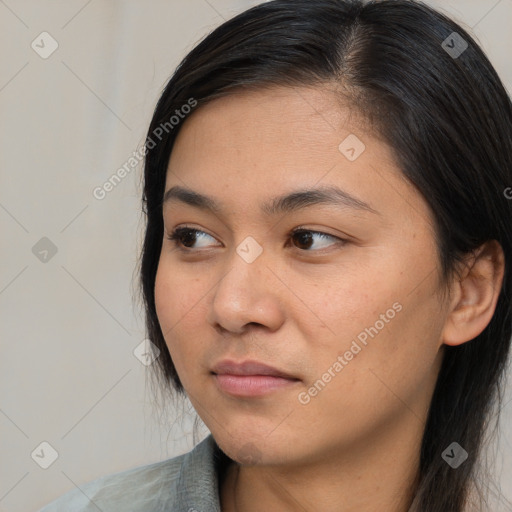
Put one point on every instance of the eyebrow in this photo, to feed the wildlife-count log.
(327, 195)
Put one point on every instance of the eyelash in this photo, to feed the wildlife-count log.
(178, 232)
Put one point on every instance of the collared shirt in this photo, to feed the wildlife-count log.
(187, 483)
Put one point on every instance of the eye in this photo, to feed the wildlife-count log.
(306, 237)
(184, 238)
(187, 236)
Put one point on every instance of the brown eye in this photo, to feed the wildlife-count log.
(304, 239)
(187, 237)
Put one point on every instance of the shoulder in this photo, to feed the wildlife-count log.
(167, 485)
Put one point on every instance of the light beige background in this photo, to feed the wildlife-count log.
(69, 326)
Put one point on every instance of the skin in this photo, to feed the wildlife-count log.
(299, 305)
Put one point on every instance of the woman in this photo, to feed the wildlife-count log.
(326, 264)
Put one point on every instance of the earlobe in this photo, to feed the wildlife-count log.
(475, 294)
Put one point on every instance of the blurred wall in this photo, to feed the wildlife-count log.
(70, 325)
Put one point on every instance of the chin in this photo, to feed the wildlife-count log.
(250, 448)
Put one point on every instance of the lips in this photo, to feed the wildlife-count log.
(249, 368)
(250, 379)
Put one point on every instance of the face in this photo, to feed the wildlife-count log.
(337, 292)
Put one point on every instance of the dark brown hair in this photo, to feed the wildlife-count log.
(448, 119)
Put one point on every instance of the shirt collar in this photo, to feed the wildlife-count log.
(198, 482)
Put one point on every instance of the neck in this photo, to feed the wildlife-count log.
(378, 475)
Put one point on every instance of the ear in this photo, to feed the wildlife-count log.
(475, 294)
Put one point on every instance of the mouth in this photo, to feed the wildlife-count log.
(250, 378)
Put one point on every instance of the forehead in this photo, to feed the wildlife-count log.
(270, 115)
(257, 143)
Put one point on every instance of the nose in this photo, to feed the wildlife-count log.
(248, 293)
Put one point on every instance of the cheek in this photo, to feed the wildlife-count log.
(167, 303)
(387, 339)
(176, 292)
(180, 304)
(391, 374)
(347, 308)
